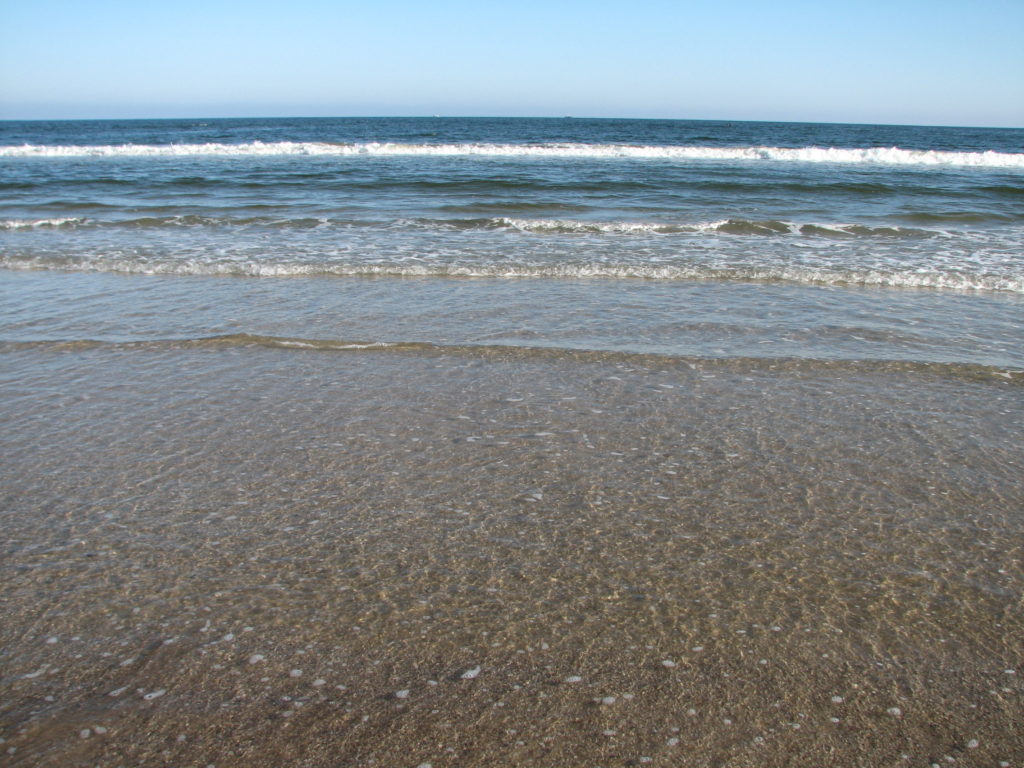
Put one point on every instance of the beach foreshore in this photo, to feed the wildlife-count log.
(256, 556)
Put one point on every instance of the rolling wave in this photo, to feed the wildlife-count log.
(872, 155)
(176, 221)
(725, 226)
(533, 226)
(887, 277)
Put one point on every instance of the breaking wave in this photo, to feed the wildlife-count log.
(15, 224)
(532, 226)
(871, 155)
(783, 273)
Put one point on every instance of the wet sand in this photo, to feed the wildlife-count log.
(266, 557)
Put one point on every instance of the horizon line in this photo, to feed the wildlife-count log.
(501, 117)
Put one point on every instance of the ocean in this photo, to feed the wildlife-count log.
(528, 442)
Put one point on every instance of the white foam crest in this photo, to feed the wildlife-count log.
(327, 345)
(893, 278)
(871, 155)
(575, 225)
(739, 227)
(11, 224)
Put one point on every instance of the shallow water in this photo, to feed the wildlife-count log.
(264, 556)
(674, 319)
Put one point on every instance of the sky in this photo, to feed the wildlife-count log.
(901, 61)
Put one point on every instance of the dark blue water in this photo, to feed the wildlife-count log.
(512, 131)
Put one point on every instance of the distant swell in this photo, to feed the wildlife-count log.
(872, 155)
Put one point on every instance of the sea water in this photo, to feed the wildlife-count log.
(675, 237)
(511, 442)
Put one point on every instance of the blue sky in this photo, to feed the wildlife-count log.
(901, 61)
